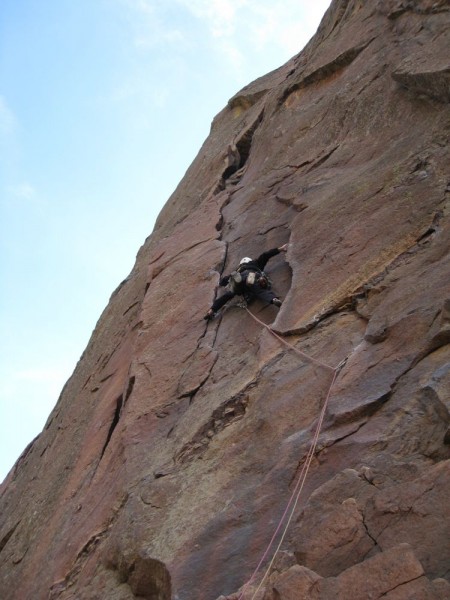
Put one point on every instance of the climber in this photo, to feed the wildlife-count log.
(249, 281)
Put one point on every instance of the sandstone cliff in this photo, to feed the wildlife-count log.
(174, 448)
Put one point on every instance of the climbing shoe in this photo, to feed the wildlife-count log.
(276, 301)
(209, 315)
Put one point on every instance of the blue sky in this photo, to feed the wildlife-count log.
(103, 106)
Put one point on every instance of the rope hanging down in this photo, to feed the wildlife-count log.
(293, 500)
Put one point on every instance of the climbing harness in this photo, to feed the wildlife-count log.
(243, 277)
(293, 500)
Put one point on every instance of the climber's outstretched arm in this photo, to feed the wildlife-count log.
(262, 260)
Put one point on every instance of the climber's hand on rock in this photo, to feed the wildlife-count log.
(283, 248)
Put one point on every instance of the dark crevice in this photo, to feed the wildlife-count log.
(347, 303)
(137, 326)
(193, 391)
(219, 223)
(326, 445)
(105, 359)
(129, 389)
(428, 233)
(220, 270)
(147, 368)
(85, 383)
(106, 378)
(369, 534)
(213, 341)
(400, 585)
(244, 144)
(164, 470)
(322, 159)
(369, 83)
(130, 308)
(237, 155)
(5, 539)
(266, 231)
(446, 438)
(114, 423)
(160, 255)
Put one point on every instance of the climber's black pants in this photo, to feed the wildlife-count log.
(251, 292)
(219, 302)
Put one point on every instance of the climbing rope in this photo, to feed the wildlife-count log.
(293, 500)
(302, 354)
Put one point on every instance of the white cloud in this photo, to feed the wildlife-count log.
(233, 54)
(241, 27)
(22, 191)
(238, 32)
(154, 47)
(221, 16)
(288, 25)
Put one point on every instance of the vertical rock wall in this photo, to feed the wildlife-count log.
(174, 447)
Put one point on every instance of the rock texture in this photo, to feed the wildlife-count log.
(173, 449)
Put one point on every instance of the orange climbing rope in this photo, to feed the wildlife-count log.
(293, 500)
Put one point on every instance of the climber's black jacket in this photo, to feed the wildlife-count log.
(254, 265)
(255, 291)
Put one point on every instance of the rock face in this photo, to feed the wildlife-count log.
(172, 452)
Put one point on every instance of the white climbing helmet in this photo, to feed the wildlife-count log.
(245, 260)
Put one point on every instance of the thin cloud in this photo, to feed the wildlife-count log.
(233, 54)
(288, 25)
(237, 31)
(22, 191)
(242, 27)
(221, 16)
